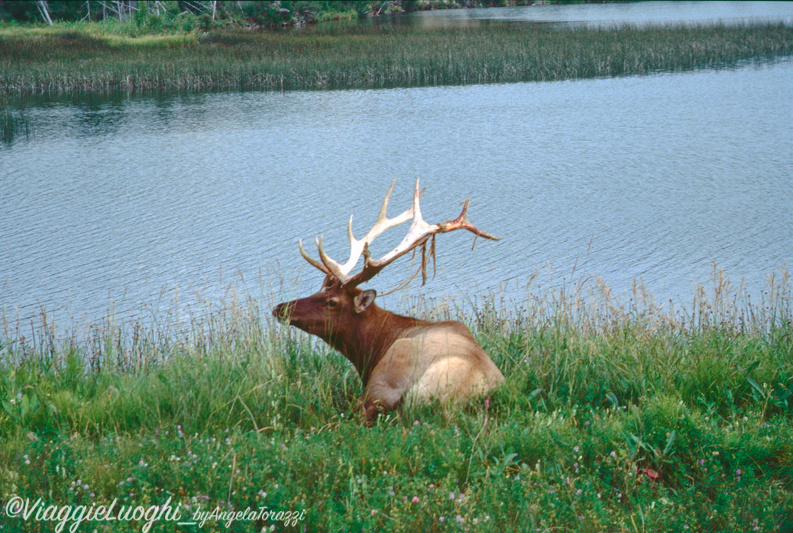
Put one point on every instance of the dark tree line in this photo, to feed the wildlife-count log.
(259, 12)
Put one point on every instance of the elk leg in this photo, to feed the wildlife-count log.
(392, 376)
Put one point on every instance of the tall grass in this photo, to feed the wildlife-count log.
(617, 414)
(79, 60)
(14, 122)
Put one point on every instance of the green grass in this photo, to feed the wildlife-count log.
(86, 58)
(615, 416)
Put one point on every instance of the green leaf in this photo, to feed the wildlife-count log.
(669, 443)
(612, 398)
(34, 403)
(25, 405)
(756, 386)
(749, 369)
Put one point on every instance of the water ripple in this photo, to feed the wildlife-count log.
(649, 177)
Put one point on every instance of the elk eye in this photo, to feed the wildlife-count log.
(333, 302)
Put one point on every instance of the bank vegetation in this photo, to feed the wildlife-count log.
(83, 58)
(616, 415)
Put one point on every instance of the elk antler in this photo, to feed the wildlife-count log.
(333, 268)
(417, 237)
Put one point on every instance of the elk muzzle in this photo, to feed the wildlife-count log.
(283, 311)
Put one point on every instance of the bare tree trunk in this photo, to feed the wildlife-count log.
(44, 10)
(121, 9)
(214, 8)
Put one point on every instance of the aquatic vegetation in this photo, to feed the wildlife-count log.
(13, 121)
(613, 414)
(354, 56)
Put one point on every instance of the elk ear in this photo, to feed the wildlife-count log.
(364, 300)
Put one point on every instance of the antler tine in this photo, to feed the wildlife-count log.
(380, 218)
(311, 261)
(349, 230)
(384, 208)
(461, 222)
(333, 268)
(383, 222)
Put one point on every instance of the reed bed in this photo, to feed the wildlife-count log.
(74, 60)
(617, 414)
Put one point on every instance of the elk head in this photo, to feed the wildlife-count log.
(329, 312)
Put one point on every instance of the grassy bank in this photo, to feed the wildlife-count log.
(79, 58)
(615, 416)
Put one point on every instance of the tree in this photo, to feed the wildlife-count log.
(44, 10)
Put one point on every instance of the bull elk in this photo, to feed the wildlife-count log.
(400, 359)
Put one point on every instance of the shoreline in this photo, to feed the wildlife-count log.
(61, 61)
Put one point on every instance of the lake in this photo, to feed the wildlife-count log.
(612, 14)
(131, 204)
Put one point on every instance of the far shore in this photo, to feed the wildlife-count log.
(77, 58)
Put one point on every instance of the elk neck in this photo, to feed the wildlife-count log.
(367, 338)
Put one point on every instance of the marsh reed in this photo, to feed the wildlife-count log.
(73, 61)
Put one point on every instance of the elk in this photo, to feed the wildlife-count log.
(400, 360)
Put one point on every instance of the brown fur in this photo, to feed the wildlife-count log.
(400, 359)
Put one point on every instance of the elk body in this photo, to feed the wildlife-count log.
(400, 359)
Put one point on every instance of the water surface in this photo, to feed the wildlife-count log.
(613, 14)
(130, 202)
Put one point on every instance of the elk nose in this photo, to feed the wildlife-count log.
(282, 311)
